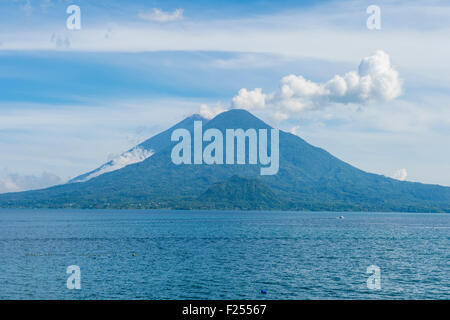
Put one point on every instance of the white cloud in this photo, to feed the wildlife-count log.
(253, 99)
(133, 156)
(209, 112)
(376, 80)
(161, 16)
(400, 174)
(294, 130)
(332, 32)
(14, 182)
(42, 132)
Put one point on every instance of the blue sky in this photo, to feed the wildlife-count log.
(71, 99)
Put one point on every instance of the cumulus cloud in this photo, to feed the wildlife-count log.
(375, 80)
(400, 174)
(159, 15)
(253, 99)
(135, 155)
(14, 182)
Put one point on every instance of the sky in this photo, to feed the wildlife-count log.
(72, 99)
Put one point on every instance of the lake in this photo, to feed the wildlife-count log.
(134, 254)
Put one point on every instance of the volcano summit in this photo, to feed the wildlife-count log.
(308, 178)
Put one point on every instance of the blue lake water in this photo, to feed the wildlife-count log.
(222, 255)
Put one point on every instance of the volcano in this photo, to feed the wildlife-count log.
(309, 178)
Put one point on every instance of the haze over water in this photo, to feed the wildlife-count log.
(222, 255)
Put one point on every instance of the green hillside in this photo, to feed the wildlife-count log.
(309, 178)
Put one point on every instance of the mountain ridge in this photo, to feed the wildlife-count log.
(309, 178)
(155, 144)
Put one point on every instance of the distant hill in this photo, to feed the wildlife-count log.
(309, 178)
(239, 193)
